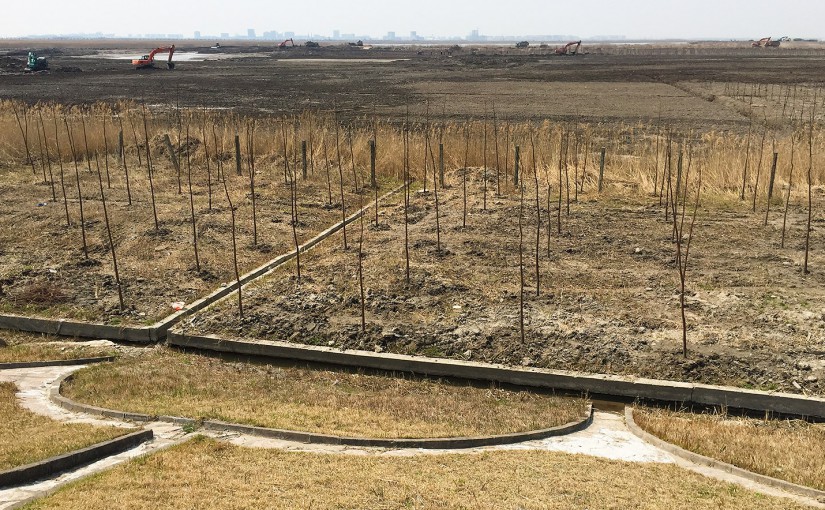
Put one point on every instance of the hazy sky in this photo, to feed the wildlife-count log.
(724, 19)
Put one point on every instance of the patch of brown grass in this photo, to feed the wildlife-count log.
(207, 474)
(789, 450)
(27, 437)
(323, 401)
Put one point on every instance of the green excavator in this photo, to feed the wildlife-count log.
(36, 63)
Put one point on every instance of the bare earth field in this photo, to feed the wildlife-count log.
(604, 85)
(609, 291)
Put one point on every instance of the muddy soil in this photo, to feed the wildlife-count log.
(608, 299)
(44, 272)
(260, 79)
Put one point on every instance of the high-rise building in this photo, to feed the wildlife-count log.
(336, 34)
(250, 33)
(413, 35)
(390, 36)
(197, 34)
(224, 35)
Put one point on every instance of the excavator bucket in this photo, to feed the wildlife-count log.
(170, 65)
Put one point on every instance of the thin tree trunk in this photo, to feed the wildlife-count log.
(109, 234)
(149, 168)
(62, 175)
(48, 156)
(538, 213)
(192, 202)
(79, 191)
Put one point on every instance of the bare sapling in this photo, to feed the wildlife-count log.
(498, 160)
(62, 173)
(361, 268)
(311, 146)
(208, 167)
(149, 169)
(135, 137)
(218, 155)
(538, 211)
(682, 249)
(48, 155)
(484, 171)
(567, 175)
(587, 148)
(771, 181)
(109, 235)
(40, 150)
(464, 173)
(407, 202)
(521, 261)
(24, 132)
(788, 197)
(759, 166)
(562, 154)
(106, 154)
(352, 159)
(576, 149)
(810, 185)
(250, 163)
(426, 142)
(79, 191)
(373, 178)
(747, 161)
(234, 249)
(192, 201)
(293, 198)
(87, 154)
(506, 152)
(656, 162)
(125, 165)
(326, 161)
(341, 181)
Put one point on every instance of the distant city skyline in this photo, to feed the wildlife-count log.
(428, 19)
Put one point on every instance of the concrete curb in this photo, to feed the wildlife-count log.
(629, 388)
(56, 363)
(445, 443)
(31, 472)
(157, 331)
(696, 458)
(440, 443)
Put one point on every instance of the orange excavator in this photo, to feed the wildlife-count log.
(148, 61)
(568, 49)
(765, 42)
(284, 46)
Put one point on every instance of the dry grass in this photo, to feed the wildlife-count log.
(27, 437)
(324, 401)
(19, 347)
(790, 450)
(207, 474)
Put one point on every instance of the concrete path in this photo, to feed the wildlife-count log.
(607, 437)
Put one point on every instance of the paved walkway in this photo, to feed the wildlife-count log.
(606, 437)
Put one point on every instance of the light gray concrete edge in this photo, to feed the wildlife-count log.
(444, 443)
(707, 461)
(157, 331)
(29, 473)
(56, 363)
(630, 388)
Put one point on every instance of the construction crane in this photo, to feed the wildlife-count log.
(148, 61)
(35, 63)
(284, 46)
(765, 42)
(568, 49)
